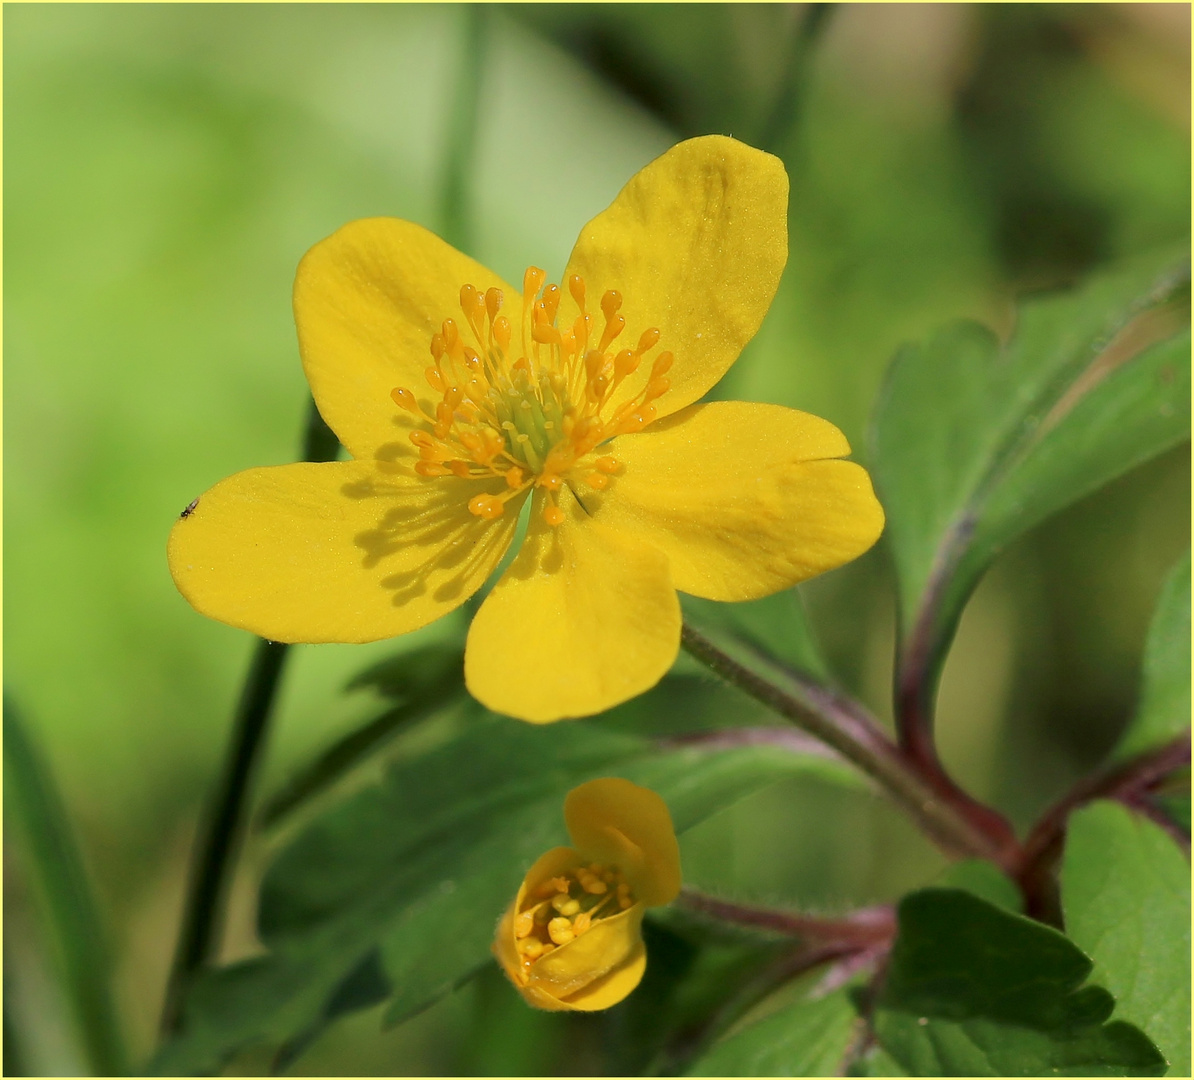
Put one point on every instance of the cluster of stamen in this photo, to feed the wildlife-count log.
(526, 416)
(565, 907)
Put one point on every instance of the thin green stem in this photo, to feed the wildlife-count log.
(219, 839)
(55, 864)
(845, 726)
(456, 219)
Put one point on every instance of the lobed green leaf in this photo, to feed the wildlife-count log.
(810, 1037)
(1126, 897)
(974, 990)
(1164, 710)
(975, 442)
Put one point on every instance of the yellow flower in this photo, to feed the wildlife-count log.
(579, 398)
(572, 939)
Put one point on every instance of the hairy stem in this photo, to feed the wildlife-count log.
(844, 725)
(220, 835)
(865, 927)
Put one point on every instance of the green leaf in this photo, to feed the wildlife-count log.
(1126, 897)
(421, 866)
(422, 681)
(806, 1038)
(33, 803)
(1164, 710)
(775, 626)
(984, 880)
(975, 442)
(973, 990)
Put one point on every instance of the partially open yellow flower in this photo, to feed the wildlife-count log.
(459, 398)
(572, 939)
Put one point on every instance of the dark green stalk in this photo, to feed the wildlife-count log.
(456, 221)
(56, 867)
(777, 130)
(219, 838)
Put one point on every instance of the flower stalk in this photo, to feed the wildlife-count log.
(956, 825)
(220, 836)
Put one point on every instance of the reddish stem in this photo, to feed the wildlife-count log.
(1128, 782)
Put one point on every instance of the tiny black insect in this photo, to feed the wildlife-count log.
(189, 509)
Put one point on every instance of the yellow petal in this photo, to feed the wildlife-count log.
(582, 620)
(613, 986)
(366, 302)
(605, 946)
(695, 243)
(744, 499)
(615, 821)
(343, 551)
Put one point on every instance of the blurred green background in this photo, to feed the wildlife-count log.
(167, 165)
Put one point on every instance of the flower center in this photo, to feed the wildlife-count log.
(565, 907)
(530, 415)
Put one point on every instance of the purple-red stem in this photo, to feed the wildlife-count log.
(957, 824)
(1128, 782)
(864, 928)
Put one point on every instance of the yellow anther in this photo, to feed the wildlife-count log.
(493, 303)
(404, 399)
(451, 334)
(547, 947)
(613, 327)
(543, 915)
(501, 332)
(551, 482)
(611, 303)
(545, 334)
(435, 379)
(560, 931)
(597, 387)
(597, 480)
(624, 902)
(513, 477)
(421, 439)
(662, 365)
(532, 281)
(531, 948)
(551, 302)
(565, 905)
(582, 329)
(576, 286)
(608, 464)
(594, 359)
(437, 346)
(649, 340)
(554, 516)
(524, 923)
(581, 923)
(460, 468)
(431, 468)
(658, 387)
(453, 396)
(625, 363)
(593, 884)
(485, 506)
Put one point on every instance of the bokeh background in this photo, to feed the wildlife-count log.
(165, 167)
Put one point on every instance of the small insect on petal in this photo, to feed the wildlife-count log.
(189, 509)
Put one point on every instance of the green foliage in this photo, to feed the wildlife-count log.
(984, 880)
(1126, 894)
(975, 442)
(1164, 710)
(33, 804)
(421, 867)
(810, 1037)
(973, 990)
